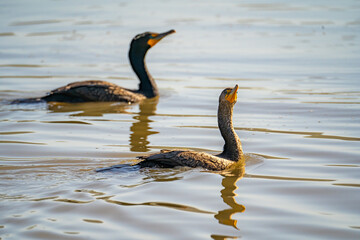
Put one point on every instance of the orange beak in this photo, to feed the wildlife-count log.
(156, 37)
(232, 96)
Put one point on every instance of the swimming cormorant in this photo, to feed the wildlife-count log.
(232, 152)
(102, 91)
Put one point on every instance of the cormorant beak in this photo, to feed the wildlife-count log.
(232, 96)
(156, 37)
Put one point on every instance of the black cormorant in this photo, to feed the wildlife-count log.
(232, 152)
(102, 91)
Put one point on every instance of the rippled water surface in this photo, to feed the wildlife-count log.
(297, 64)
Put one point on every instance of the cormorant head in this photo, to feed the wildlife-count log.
(144, 41)
(229, 95)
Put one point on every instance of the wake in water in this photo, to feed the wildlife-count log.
(120, 168)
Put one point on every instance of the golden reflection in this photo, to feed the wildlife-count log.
(228, 195)
(140, 129)
(222, 237)
(92, 220)
(73, 201)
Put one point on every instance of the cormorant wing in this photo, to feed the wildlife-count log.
(193, 159)
(89, 91)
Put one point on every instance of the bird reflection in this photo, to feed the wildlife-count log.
(228, 195)
(140, 129)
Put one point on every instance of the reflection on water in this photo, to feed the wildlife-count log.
(297, 114)
(222, 237)
(88, 109)
(228, 195)
(140, 129)
(229, 181)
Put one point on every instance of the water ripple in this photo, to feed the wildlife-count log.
(287, 178)
(23, 142)
(307, 134)
(175, 206)
(15, 133)
(26, 23)
(72, 201)
(7, 34)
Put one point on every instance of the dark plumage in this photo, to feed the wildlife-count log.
(102, 91)
(232, 152)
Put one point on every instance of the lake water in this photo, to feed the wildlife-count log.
(297, 64)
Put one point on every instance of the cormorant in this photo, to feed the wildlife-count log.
(232, 151)
(102, 91)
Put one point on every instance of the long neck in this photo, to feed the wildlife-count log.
(232, 148)
(147, 84)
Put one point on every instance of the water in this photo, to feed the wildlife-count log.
(297, 65)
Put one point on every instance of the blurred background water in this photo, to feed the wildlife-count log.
(298, 68)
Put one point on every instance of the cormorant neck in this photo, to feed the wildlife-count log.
(232, 148)
(147, 84)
